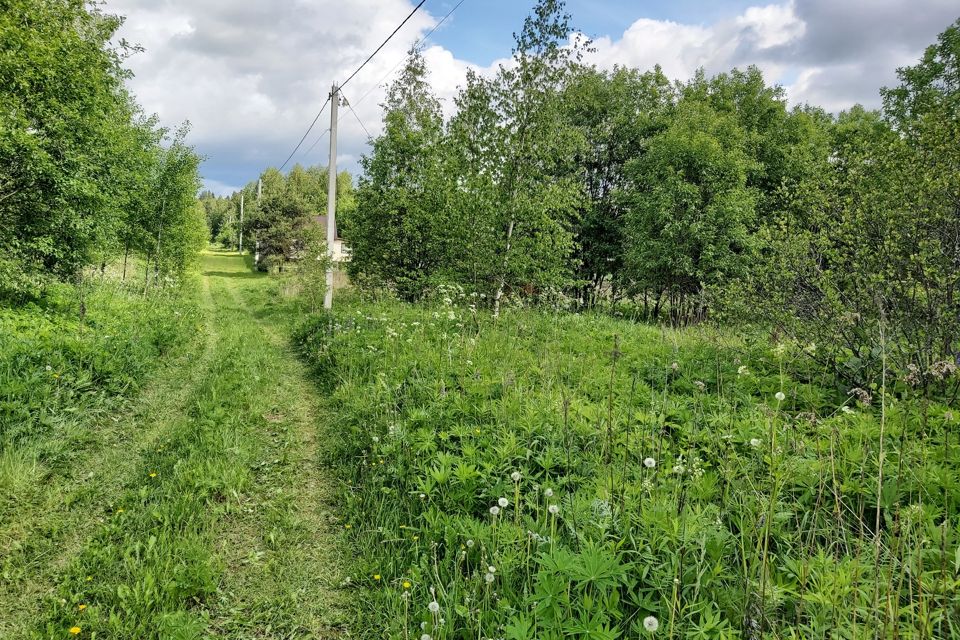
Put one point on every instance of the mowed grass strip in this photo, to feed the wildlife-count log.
(214, 535)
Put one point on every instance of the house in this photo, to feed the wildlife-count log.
(341, 252)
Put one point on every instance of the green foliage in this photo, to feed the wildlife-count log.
(400, 236)
(279, 223)
(874, 265)
(76, 153)
(689, 210)
(70, 360)
(552, 476)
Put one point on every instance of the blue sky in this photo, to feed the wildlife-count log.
(250, 76)
(482, 30)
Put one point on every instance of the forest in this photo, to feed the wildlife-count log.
(615, 355)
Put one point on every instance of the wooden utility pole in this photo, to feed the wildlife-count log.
(241, 222)
(331, 195)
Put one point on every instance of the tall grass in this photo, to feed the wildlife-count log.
(554, 476)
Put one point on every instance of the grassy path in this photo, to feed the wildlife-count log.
(203, 512)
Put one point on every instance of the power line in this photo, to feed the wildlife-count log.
(355, 115)
(316, 142)
(309, 129)
(415, 45)
(370, 57)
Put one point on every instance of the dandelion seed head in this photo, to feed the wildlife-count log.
(651, 624)
(553, 509)
(548, 492)
(491, 569)
(469, 543)
(515, 476)
(780, 396)
(434, 607)
(494, 510)
(649, 463)
(488, 578)
(503, 502)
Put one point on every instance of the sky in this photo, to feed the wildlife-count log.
(250, 76)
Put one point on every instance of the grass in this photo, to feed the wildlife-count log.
(552, 476)
(206, 512)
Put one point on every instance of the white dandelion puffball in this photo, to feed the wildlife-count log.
(494, 510)
(488, 577)
(548, 493)
(434, 607)
(503, 502)
(491, 569)
(426, 636)
(515, 476)
(651, 624)
(754, 442)
(780, 396)
(469, 543)
(649, 463)
(553, 509)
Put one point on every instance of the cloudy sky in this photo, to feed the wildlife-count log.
(250, 75)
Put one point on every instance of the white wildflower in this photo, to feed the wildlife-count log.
(754, 442)
(742, 370)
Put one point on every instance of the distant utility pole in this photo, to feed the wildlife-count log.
(241, 222)
(331, 195)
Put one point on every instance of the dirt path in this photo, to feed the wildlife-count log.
(273, 540)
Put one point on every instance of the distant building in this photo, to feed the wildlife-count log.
(341, 252)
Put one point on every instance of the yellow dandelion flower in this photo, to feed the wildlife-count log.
(376, 577)
(82, 607)
(89, 578)
(74, 630)
(120, 510)
(406, 584)
(415, 538)
(153, 474)
(348, 526)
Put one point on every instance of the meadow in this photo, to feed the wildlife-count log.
(550, 475)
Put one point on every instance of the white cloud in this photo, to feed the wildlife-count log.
(251, 76)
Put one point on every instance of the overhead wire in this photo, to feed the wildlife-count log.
(357, 70)
(416, 44)
(383, 44)
(355, 115)
(309, 129)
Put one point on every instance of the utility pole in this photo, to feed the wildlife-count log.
(241, 222)
(256, 240)
(331, 195)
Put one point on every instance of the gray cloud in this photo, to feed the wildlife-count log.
(251, 76)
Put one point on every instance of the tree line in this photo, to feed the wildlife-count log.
(709, 197)
(85, 175)
(279, 213)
